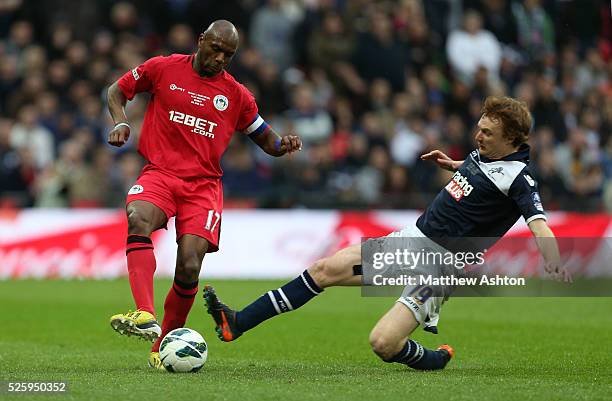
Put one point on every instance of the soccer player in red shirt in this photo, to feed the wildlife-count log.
(195, 108)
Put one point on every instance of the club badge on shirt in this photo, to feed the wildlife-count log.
(136, 189)
(220, 102)
(537, 202)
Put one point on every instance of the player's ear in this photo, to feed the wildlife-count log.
(200, 39)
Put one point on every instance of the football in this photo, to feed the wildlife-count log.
(183, 350)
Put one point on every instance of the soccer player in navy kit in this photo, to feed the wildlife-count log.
(195, 108)
(488, 192)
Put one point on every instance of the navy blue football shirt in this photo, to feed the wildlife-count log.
(484, 198)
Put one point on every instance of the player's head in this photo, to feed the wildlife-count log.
(216, 47)
(503, 127)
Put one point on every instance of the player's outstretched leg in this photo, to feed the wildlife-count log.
(327, 272)
(223, 315)
(389, 340)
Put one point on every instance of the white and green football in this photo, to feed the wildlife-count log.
(183, 350)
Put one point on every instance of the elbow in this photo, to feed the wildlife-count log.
(110, 92)
(115, 93)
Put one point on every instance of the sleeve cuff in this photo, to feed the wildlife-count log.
(535, 217)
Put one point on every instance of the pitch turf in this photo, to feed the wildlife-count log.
(506, 349)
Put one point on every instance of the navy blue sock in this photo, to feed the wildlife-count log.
(287, 298)
(417, 357)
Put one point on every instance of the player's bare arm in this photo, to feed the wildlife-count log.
(442, 160)
(549, 248)
(275, 145)
(116, 106)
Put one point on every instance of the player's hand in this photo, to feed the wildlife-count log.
(442, 160)
(290, 144)
(559, 273)
(119, 135)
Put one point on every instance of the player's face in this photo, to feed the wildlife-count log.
(490, 140)
(215, 53)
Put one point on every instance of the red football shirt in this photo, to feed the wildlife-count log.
(190, 119)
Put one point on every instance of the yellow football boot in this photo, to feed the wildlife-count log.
(141, 324)
(155, 362)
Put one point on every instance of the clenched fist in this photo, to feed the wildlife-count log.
(290, 144)
(119, 135)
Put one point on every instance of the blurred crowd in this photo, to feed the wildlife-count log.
(368, 85)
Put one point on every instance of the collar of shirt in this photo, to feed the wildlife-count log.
(522, 154)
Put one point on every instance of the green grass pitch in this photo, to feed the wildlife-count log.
(506, 349)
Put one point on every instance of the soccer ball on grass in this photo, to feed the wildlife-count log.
(183, 350)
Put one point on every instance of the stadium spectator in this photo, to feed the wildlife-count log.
(397, 187)
(472, 47)
(269, 84)
(271, 29)
(330, 48)
(130, 165)
(370, 179)
(379, 102)
(407, 143)
(422, 44)
(592, 73)
(546, 109)
(581, 20)
(552, 187)
(30, 134)
(16, 170)
(306, 118)
(94, 187)
(495, 14)
(536, 35)
(580, 166)
(180, 39)
(241, 176)
(55, 185)
(379, 43)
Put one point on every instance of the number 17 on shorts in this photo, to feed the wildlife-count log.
(212, 220)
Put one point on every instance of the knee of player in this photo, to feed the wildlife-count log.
(138, 223)
(188, 270)
(321, 273)
(382, 345)
(187, 273)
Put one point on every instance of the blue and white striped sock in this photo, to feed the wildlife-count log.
(417, 357)
(284, 299)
